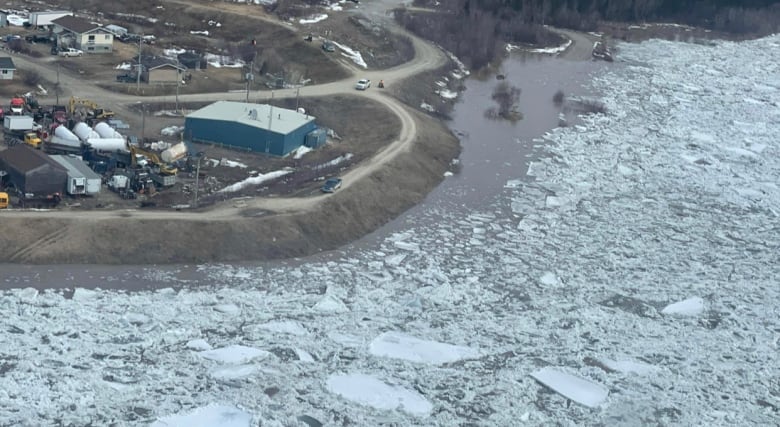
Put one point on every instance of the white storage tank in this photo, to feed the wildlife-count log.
(63, 136)
(174, 153)
(84, 132)
(106, 131)
(108, 144)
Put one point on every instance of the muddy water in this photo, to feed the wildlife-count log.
(493, 153)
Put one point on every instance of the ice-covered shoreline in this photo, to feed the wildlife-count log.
(639, 260)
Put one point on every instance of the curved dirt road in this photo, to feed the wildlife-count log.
(427, 57)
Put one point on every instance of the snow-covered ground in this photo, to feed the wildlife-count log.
(635, 272)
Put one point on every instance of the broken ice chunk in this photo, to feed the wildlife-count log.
(572, 387)
(690, 307)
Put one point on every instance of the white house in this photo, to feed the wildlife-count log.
(7, 68)
(76, 32)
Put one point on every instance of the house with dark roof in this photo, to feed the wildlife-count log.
(157, 69)
(7, 68)
(72, 31)
(32, 171)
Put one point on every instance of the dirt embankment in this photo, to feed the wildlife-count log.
(344, 217)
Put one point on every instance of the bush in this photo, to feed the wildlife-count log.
(31, 78)
(558, 98)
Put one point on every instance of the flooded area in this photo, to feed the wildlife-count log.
(493, 152)
(496, 151)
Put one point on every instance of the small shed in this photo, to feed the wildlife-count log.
(81, 179)
(3, 19)
(7, 68)
(157, 69)
(32, 171)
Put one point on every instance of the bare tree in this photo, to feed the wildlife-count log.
(506, 97)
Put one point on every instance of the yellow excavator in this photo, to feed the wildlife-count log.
(93, 110)
(3, 200)
(154, 157)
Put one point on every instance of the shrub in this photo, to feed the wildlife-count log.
(31, 78)
(558, 98)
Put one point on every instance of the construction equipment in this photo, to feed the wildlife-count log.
(3, 200)
(33, 140)
(17, 106)
(165, 168)
(93, 110)
(30, 200)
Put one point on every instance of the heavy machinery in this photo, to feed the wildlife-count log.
(3, 200)
(21, 129)
(17, 106)
(29, 200)
(33, 140)
(154, 158)
(93, 110)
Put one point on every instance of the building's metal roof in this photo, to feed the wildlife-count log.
(155, 62)
(75, 24)
(75, 166)
(262, 116)
(7, 63)
(24, 158)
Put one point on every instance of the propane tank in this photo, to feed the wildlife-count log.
(108, 144)
(174, 153)
(83, 131)
(106, 131)
(64, 134)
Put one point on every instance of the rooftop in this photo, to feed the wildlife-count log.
(263, 116)
(7, 63)
(75, 165)
(24, 158)
(75, 24)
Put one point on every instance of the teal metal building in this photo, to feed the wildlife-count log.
(254, 127)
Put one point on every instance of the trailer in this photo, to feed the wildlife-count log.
(81, 179)
(45, 18)
(39, 201)
(18, 123)
(163, 180)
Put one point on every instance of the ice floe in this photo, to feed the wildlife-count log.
(401, 346)
(371, 391)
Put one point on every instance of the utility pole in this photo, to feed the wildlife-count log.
(297, 92)
(178, 83)
(197, 175)
(143, 123)
(138, 68)
(57, 91)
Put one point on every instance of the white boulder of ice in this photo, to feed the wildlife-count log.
(572, 387)
(207, 416)
(199, 345)
(235, 354)
(370, 391)
(689, 307)
(401, 346)
(331, 304)
(629, 366)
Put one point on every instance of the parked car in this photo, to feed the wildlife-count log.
(331, 185)
(126, 78)
(363, 84)
(69, 52)
(328, 46)
(38, 38)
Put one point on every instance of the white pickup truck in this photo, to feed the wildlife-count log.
(70, 52)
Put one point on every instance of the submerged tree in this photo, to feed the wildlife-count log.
(506, 96)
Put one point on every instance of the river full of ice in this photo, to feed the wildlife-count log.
(634, 272)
